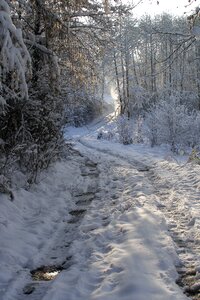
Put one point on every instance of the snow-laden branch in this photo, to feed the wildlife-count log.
(39, 47)
(15, 60)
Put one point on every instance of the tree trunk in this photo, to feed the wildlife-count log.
(118, 85)
(37, 28)
(198, 70)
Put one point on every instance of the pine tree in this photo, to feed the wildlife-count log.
(14, 60)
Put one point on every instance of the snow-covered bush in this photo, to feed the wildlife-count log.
(187, 98)
(44, 141)
(139, 100)
(172, 123)
(14, 59)
(138, 134)
(125, 130)
(79, 114)
(30, 135)
(106, 135)
(81, 107)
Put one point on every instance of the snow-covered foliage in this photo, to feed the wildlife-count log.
(187, 98)
(119, 129)
(125, 130)
(62, 57)
(139, 100)
(109, 132)
(81, 106)
(138, 134)
(172, 123)
(31, 131)
(14, 58)
(106, 135)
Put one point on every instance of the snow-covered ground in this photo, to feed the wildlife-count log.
(115, 221)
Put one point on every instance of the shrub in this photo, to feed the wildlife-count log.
(172, 123)
(125, 130)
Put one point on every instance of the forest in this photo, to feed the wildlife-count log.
(99, 150)
(59, 58)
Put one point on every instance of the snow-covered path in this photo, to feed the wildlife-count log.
(123, 250)
(109, 222)
(177, 188)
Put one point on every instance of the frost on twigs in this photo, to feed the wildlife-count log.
(138, 130)
(170, 122)
(14, 59)
(125, 130)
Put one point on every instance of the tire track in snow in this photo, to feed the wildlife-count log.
(178, 195)
(98, 268)
(173, 201)
(140, 166)
(52, 259)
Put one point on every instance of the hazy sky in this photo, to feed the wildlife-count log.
(176, 7)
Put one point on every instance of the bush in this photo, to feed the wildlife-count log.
(81, 107)
(106, 135)
(31, 135)
(172, 123)
(125, 130)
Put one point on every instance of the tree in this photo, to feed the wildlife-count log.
(14, 60)
(64, 41)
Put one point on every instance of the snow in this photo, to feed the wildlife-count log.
(27, 223)
(141, 152)
(121, 260)
(121, 247)
(14, 54)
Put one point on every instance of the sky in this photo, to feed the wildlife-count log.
(175, 7)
